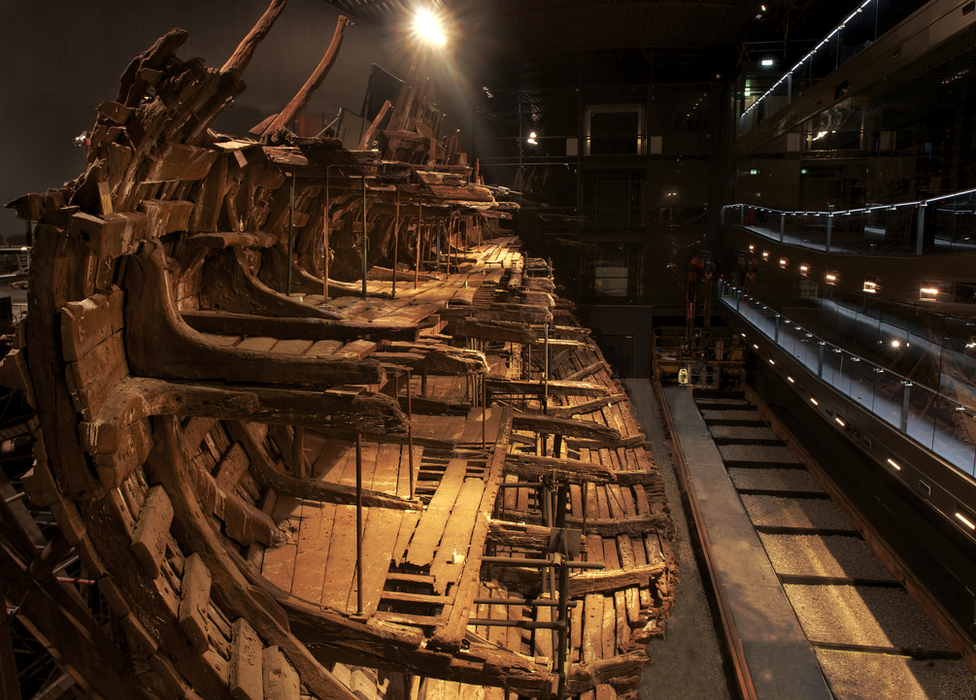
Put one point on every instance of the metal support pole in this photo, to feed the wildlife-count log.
(830, 226)
(325, 240)
(396, 242)
(410, 429)
(820, 362)
(484, 413)
(420, 222)
(364, 238)
(291, 234)
(359, 522)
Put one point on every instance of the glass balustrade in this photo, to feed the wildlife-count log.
(937, 418)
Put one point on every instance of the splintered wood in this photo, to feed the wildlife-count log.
(215, 322)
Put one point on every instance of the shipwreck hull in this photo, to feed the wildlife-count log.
(269, 479)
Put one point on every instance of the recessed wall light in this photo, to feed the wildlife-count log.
(894, 464)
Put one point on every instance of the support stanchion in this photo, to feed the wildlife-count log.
(420, 223)
(396, 242)
(359, 522)
(410, 429)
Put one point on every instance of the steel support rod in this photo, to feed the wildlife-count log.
(420, 221)
(410, 429)
(396, 242)
(359, 522)
(325, 239)
(291, 234)
(364, 238)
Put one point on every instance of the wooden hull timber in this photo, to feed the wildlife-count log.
(276, 467)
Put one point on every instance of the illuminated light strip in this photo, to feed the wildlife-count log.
(894, 464)
(792, 381)
(966, 521)
(800, 62)
(840, 422)
(814, 401)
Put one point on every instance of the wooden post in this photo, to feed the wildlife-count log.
(396, 242)
(410, 428)
(325, 238)
(359, 521)
(364, 238)
(423, 383)
(484, 411)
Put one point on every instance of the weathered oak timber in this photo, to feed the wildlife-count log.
(503, 331)
(225, 323)
(194, 599)
(228, 285)
(571, 470)
(586, 406)
(553, 387)
(285, 485)
(160, 345)
(239, 61)
(610, 581)
(301, 98)
(565, 426)
(169, 465)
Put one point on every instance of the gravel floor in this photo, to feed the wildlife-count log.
(730, 415)
(787, 512)
(688, 662)
(757, 453)
(835, 556)
(742, 431)
(871, 676)
(774, 479)
(863, 615)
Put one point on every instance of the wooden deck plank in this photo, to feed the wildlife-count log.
(408, 526)
(279, 561)
(432, 523)
(331, 462)
(453, 549)
(257, 343)
(314, 541)
(379, 542)
(340, 569)
(387, 468)
(592, 643)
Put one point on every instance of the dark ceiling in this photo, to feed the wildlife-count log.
(512, 36)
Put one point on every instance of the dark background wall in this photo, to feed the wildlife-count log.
(60, 59)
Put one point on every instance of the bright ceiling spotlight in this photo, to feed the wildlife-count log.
(531, 139)
(896, 343)
(428, 27)
(767, 62)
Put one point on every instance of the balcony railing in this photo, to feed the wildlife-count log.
(937, 421)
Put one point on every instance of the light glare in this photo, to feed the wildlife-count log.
(428, 27)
